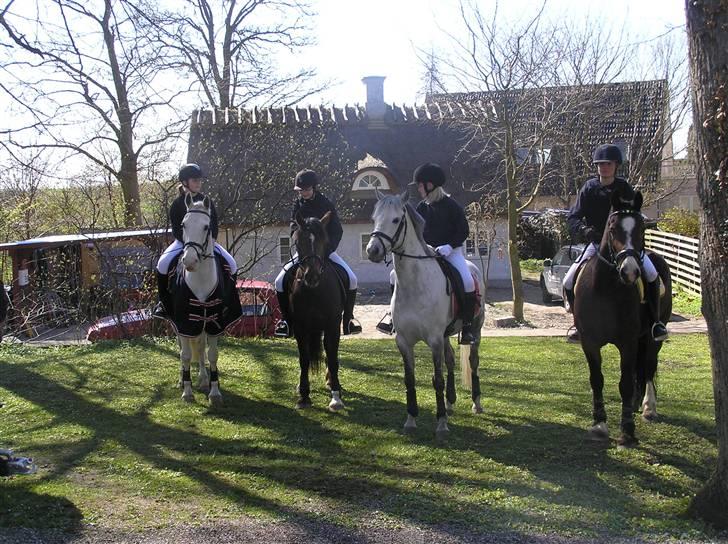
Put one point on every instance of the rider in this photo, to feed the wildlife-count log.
(312, 203)
(190, 178)
(588, 217)
(446, 229)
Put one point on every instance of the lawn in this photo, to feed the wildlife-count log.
(118, 448)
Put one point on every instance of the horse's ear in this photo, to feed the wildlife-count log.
(325, 219)
(638, 201)
(299, 219)
(188, 200)
(206, 202)
(378, 193)
(404, 197)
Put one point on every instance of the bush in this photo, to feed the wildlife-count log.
(679, 221)
(540, 236)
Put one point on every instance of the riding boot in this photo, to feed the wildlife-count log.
(163, 309)
(574, 337)
(348, 323)
(284, 327)
(658, 329)
(387, 325)
(466, 334)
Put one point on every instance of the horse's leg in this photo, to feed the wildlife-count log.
(438, 382)
(408, 358)
(640, 373)
(199, 355)
(185, 356)
(331, 345)
(450, 394)
(649, 402)
(474, 377)
(304, 388)
(215, 396)
(599, 429)
(628, 357)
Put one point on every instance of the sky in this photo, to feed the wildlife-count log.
(357, 38)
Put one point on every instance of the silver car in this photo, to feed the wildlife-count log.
(554, 271)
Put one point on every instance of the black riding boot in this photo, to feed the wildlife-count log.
(163, 309)
(574, 337)
(467, 337)
(652, 294)
(384, 325)
(284, 327)
(348, 323)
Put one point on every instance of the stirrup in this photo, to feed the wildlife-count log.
(573, 337)
(160, 311)
(352, 327)
(386, 327)
(282, 329)
(662, 337)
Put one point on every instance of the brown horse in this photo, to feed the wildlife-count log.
(608, 310)
(317, 302)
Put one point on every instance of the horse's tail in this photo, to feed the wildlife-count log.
(315, 348)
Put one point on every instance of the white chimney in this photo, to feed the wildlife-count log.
(375, 97)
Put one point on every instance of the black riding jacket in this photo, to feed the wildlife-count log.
(593, 204)
(317, 206)
(445, 222)
(177, 212)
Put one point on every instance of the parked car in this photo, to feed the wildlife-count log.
(554, 270)
(257, 298)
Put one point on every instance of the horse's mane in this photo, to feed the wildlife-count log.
(418, 222)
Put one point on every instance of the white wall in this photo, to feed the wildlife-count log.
(350, 249)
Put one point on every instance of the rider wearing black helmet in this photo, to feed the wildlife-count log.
(588, 218)
(312, 203)
(190, 178)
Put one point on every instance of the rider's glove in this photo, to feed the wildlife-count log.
(588, 233)
(444, 250)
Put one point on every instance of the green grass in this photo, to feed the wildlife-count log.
(118, 448)
(686, 304)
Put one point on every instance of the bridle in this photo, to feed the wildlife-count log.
(319, 262)
(200, 249)
(401, 232)
(617, 259)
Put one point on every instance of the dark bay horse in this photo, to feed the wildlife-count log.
(607, 310)
(316, 303)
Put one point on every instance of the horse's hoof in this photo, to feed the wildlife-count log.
(303, 404)
(649, 416)
(215, 400)
(476, 408)
(188, 398)
(410, 426)
(442, 435)
(626, 441)
(599, 432)
(335, 406)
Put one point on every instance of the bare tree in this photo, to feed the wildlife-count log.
(90, 82)
(707, 24)
(230, 49)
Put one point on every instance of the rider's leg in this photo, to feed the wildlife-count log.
(348, 324)
(283, 327)
(652, 295)
(384, 325)
(229, 259)
(457, 259)
(163, 308)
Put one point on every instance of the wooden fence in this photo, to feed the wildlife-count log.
(681, 254)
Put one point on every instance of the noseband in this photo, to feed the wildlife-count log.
(200, 249)
(393, 240)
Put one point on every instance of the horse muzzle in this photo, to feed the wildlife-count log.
(375, 250)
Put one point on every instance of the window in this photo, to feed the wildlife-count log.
(284, 245)
(364, 243)
(533, 156)
(370, 180)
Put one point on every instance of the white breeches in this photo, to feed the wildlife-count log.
(176, 247)
(353, 282)
(457, 259)
(591, 250)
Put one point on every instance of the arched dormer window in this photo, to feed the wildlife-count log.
(369, 180)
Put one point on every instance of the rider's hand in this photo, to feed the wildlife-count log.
(444, 250)
(589, 233)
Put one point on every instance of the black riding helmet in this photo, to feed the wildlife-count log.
(305, 179)
(429, 172)
(188, 172)
(607, 153)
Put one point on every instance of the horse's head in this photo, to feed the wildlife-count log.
(389, 218)
(625, 236)
(311, 240)
(196, 233)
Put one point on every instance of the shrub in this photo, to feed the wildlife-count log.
(539, 236)
(679, 221)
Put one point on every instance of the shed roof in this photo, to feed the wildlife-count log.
(66, 239)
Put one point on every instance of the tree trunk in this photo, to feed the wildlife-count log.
(515, 262)
(707, 26)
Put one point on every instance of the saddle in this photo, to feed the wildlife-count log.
(340, 274)
(455, 288)
(190, 316)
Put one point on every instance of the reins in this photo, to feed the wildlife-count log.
(394, 240)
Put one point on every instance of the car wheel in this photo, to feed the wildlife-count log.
(567, 306)
(545, 295)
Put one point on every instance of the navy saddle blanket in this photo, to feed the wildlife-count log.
(191, 316)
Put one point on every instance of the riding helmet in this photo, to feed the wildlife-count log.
(429, 172)
(305, 179)
(607, 153)
(188, 172)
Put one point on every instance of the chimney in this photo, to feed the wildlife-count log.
(375, 97)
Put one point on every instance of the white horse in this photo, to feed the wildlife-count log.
(201, 277)
(421, 306)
